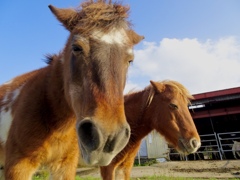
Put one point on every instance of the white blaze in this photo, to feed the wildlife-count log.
(113, 37)
(6, 114)
(5, 123)
(130, 51)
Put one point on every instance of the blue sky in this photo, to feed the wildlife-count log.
(196, 42)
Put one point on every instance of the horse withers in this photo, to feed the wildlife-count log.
(76, 99)
(162, 106)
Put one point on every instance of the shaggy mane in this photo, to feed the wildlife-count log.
(174, 86)
(100, 14)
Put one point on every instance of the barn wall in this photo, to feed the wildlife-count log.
(156, 145)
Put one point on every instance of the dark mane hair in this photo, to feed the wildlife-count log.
(49, 58)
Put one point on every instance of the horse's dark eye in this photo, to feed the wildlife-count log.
(130, 62)
(174, 106)
(76, 48)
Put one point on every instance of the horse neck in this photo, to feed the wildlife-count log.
(135, 109)
(56, 92)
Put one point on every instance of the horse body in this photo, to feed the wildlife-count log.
(39, 131)
(75, 101)
(163, 107)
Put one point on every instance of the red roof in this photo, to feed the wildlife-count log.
(216, 97)
(212, 94)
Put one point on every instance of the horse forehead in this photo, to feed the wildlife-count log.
(115, 36)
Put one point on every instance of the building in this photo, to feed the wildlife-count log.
(217, 111)
(153, 146)
(216, 115)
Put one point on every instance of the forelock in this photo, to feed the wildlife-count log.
(179, 89)
(101, 15)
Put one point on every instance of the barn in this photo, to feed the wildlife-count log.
(216, 115)
(217, 111)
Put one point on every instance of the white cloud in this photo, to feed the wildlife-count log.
(200, 66)
(131, 86)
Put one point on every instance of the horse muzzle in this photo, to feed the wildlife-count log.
(97, 146)
(189, 146)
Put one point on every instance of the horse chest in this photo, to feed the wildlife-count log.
(6, 115)
(59, 145)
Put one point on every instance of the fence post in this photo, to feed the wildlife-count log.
(139, 161)
(219, 147)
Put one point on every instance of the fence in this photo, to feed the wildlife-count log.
(209, 146)
(215, 144)
(226, 141)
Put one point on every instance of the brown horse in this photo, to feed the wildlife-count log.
(162, 106)
(76, 99)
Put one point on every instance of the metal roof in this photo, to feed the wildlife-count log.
(218, 93)
(215, 99)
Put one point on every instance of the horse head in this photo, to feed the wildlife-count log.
(175, 122)
(96, 59)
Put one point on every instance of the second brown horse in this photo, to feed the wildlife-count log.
(162, 106)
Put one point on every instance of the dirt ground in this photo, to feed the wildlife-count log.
(199, 169)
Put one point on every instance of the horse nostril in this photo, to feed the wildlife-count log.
(194, 143)
(109, 146)
(127, 132)
(117, 141)
(88, 135)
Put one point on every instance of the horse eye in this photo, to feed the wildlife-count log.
(130, 62)
(174, 106)
(76, 48)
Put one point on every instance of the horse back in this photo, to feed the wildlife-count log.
(9, 93)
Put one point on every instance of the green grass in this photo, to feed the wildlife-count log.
(155, 178)
(88, 178)
(171, 178)
(145, 162)
(45, 177)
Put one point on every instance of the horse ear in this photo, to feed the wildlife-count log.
(134, 37)
(159, 87)
(65, 16)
